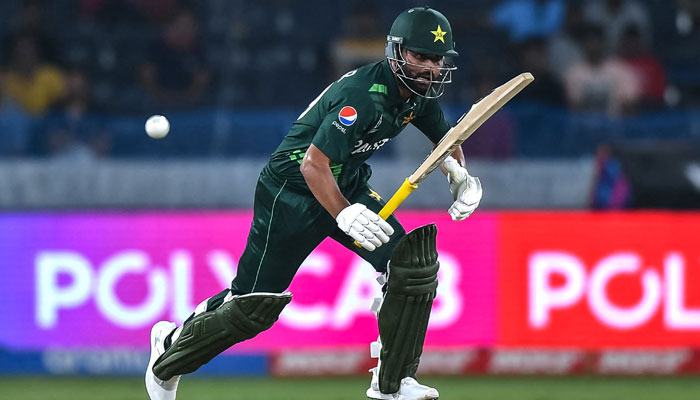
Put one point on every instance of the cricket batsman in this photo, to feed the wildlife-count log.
(316, 186)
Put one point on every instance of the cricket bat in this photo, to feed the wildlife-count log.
(466, 125)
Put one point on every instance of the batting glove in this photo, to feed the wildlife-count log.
(367, 228)
(465, 189)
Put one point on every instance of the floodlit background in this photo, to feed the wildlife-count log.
(577, 278)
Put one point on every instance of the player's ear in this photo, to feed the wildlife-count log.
(393, 65)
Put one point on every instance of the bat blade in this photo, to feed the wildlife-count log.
(469, 123)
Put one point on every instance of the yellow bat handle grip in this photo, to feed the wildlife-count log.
(398, 198)
(395, 200)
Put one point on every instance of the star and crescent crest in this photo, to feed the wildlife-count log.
(408, 119)
(439, 34)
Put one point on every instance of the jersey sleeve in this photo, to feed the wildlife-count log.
(349, 114)
(431, 121)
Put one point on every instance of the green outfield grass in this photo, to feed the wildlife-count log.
(476, 388)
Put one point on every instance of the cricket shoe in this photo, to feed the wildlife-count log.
(410, 389)
(159, 389)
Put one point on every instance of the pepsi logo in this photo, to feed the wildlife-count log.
(347, 116)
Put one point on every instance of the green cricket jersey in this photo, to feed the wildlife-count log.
(350, 120)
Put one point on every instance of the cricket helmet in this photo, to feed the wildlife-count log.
(426, 31)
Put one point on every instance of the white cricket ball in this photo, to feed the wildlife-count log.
(157, 126)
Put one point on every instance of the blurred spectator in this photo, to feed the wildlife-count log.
(496, 137)
(565, 46)
(650, 72)
(688, 16)
(546, 89)
(176, 74)
(14, 127)
(30, 20)
(600, 83)
(610, 189)
(71, 130)
(361, 42)
(29, 81)
(615, 16)
(524, 19)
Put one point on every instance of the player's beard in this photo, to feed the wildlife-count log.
(419, 82)
(423, 82)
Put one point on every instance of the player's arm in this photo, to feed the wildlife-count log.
(434, 125)
(356, 220)
(458, 155)
(315, 167)
(466, 189)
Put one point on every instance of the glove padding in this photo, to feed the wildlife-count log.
(465, 189)
(367, 228)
